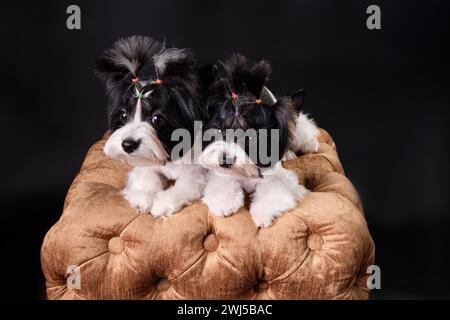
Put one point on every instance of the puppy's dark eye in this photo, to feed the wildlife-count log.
(123, 115)
(158, 120)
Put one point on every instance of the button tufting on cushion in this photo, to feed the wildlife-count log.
(262, 286)
(314, 241)
(283, 255)
(163, 284)
(116, 245)
(211, 242)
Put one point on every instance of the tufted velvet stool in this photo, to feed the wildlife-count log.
(320, 250)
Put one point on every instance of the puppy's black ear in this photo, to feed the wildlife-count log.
(174, 62)
(298, 99)
(284, 122)
(127, 57)
(257, 77)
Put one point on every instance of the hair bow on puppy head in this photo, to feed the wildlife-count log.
(234, 96)
(136, 80)
(138, 94)
(139, 86)
(141, 94)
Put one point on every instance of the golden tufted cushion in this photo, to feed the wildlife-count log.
(320, 250)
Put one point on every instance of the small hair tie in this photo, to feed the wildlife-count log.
(258, 101)
(139, 94)
(135, 79)
(158, 81)
(234, 95)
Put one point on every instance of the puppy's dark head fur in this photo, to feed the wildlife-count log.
(238, 99)
(150, 88)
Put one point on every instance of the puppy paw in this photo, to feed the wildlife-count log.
(261, 216)
(164, 205)
(262, 222)
(264, 212)
(224, 206)
(140, 200)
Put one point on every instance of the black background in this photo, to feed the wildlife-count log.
(383, 95)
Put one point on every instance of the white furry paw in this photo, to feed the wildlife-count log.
(140, 200)
(262, 221)
(264, 210)
(164, 205)
(263, 216)
(224, 205)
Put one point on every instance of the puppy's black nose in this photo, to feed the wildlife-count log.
(130, 145)
(226, 162)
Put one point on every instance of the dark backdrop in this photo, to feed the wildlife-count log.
(383, 95)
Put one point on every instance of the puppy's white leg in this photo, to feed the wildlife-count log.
(143, 185)
(305, 135)
(274, 195)
(189, 184)
(223, 195)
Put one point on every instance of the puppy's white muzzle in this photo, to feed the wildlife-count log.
(148, 150)
(228, 159)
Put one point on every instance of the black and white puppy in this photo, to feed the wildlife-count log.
(152, 91)
(250, 161)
